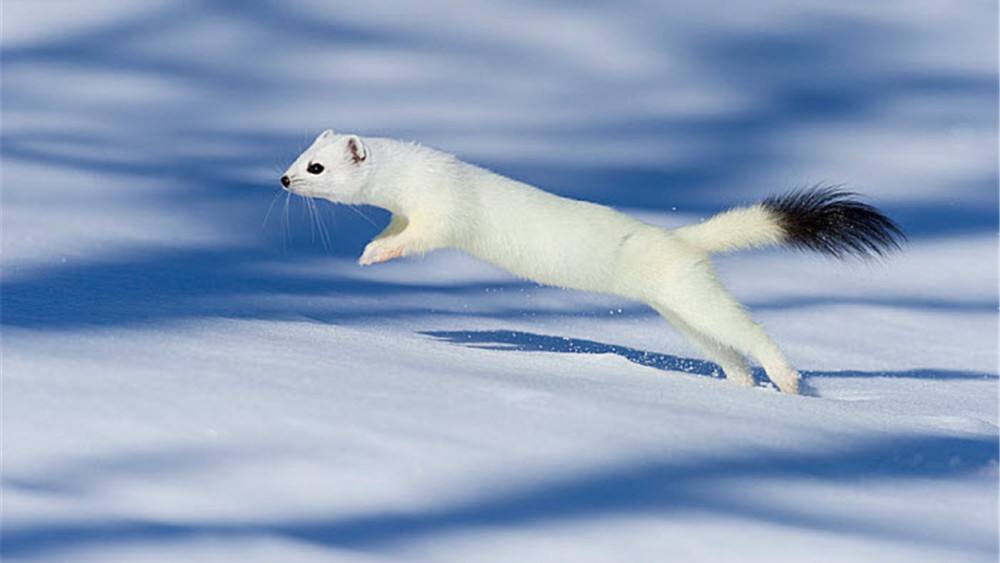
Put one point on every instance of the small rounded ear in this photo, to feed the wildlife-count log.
(356, 149)
(325, 135)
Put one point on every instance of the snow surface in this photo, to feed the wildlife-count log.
(193, 371)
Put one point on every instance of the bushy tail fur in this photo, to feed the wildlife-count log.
(822, 219)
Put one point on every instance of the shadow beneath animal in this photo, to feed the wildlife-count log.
(517, 341)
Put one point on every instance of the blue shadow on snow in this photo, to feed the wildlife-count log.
(517, 341)
(662, 488)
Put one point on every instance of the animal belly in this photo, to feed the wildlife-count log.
(554, 261)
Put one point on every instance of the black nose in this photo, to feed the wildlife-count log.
(285, 181)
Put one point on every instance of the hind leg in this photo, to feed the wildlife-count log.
(733, 364)
(702, 302)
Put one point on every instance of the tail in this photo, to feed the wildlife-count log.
(822, 219)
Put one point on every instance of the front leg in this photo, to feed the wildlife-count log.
(382, 250)
(401, 238)
(396, 225)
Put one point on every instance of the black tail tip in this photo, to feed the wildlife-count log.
(835, 222)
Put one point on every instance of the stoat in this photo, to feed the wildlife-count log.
(438, 201)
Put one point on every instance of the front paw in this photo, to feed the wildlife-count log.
(379, 251)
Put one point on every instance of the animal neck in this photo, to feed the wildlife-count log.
(399, 178)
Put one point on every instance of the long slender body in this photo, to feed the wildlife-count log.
(438, 201)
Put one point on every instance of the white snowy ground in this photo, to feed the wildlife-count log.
(179, 385)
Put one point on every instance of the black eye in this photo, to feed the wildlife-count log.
(315, 168)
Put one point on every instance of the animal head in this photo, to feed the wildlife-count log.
(334, 167)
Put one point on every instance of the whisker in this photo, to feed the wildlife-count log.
(362, 215)
(286, 223)
(270, 207)
(323, 234)
(311, 207)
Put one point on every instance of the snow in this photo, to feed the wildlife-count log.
(188, 376)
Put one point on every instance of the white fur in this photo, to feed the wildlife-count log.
(438, 201)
